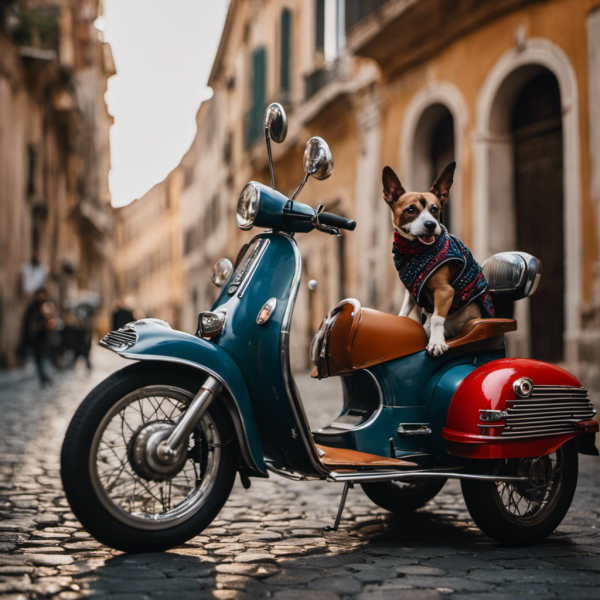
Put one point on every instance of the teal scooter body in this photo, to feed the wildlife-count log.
(252, 360)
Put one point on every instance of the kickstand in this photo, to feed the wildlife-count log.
(338, 518)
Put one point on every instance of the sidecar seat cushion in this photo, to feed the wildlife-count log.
(479, 329)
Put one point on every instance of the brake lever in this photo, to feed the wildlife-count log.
(318, 225)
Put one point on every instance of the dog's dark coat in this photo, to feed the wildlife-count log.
(416, 262)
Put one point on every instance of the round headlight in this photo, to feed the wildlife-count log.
(248, 206)
(221, 272)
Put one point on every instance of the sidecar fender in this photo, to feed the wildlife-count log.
(153, 339)
(524, 430)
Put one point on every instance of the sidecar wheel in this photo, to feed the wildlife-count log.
(519, 514)
(401, 497)
(124, 505)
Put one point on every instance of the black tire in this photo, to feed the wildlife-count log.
(111, 524)
(402, 497)
(512, 514)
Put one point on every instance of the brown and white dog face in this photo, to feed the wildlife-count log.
(417, 214)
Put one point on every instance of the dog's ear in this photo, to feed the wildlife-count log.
(442, 185)
(392, 188)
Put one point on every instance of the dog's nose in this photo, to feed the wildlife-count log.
(430, 225)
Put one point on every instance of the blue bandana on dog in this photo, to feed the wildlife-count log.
(416, 262)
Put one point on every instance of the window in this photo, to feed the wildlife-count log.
(31, 163)
(284, 67)
(330, 32)
(320, 25)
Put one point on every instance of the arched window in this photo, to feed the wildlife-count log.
(433, 149)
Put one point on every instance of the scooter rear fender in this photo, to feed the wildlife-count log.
(153, 339)
(490, 388)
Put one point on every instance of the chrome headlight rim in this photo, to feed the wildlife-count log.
(247, 207)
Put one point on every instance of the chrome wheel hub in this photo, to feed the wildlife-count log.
(146, 454)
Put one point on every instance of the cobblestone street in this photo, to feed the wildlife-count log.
(269, 541)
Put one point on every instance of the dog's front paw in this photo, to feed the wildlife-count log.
(437, 348)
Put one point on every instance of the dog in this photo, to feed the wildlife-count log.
(437, 269)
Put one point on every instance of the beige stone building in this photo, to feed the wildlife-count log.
(148, 252)
(508, 89)
(54, 156)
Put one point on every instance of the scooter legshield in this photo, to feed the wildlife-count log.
(155, 340)
(557, 411)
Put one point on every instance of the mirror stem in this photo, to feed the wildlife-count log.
(268, 142)
(300, 187)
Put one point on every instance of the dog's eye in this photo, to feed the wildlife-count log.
(434, 210)
(411, 210)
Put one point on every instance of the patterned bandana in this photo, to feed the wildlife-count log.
(416, 262)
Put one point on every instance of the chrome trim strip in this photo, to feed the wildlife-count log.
(250, 273)
(365, 476)
(288, 378)
(291, 475)
(245, 449)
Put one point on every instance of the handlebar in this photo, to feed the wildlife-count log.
(337, 221)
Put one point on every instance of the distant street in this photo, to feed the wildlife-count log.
(269, 541)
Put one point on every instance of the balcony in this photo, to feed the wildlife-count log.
(318, 79)
(357, 10)
(400, 33)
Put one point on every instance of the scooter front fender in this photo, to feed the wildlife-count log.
(153, 339)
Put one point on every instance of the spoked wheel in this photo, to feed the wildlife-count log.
(525, 512)
(120, 493)
(401, 497)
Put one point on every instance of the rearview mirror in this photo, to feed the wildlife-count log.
(276, 122)
(318, 162)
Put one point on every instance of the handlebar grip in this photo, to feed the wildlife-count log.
(337, 221)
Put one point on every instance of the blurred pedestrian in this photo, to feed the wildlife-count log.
(37, 323)
(33, 275)
(122, 314)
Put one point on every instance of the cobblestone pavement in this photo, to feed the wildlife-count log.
(269, 541)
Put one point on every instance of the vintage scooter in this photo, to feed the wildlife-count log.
(151, 454)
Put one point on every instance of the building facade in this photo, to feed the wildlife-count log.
(148, 252)
(508, 89)
(54, 157)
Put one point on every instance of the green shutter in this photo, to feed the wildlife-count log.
(320, 24)
(254, 117)
(286, 25)
(258, 79)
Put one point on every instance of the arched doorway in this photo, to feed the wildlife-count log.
(538, 192)
(433, 149)
(536, 78)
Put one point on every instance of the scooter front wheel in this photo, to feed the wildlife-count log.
(120, 496)
(518, 514)
(401, 497)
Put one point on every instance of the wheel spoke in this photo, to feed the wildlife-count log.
(528, 499)
(121, 485)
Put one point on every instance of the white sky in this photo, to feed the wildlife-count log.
(163, 51)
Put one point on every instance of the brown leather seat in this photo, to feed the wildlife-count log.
(479, 329)
(361, 337)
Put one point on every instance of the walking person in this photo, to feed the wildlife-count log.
(36, 326)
